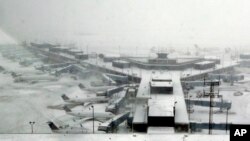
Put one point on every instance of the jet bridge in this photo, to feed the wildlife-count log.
(117, 103)
(215, 126)
(222, 104)
(114, 122)
(118, 78)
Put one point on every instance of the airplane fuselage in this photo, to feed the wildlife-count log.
(88, 100)
(98, 115)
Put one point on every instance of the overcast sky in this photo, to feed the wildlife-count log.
(142, 23)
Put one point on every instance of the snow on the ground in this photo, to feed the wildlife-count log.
(238, 114)
(23, 102)
(114, 137)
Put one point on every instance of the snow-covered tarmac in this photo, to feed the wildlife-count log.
(23, 102)
(115, 137)
(240, 110)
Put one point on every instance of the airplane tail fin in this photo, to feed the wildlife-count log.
(52, 126)
(65, 97)
(67, 109)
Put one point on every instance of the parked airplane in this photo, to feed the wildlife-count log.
(85, 100)
(61, 106)
(33, 79)
(66, 129)
(98, 89)
(69, 130)
(97, 115)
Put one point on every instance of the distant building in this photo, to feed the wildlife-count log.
(110, 57)
(245, 56)
(162, 61)
(55, 49)
(212, 58)
(81, 56)
(74, 52)
(245, 63)
(162, 55)
(204, 65)
(120, 64)
(43, 45)
(226, 77)
(64, 49)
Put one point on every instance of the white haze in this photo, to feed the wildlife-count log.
(107, 24)
(6, 39)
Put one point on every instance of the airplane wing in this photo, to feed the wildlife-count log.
(97, 89)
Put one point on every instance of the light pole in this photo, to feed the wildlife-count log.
(188, 104)
(119, 49)
(227, 120)
(81, 127)
(93, 111)
(128, 74)
(132, 127)
(136, 52)
(31, 124)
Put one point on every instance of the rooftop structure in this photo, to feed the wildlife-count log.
(110, 57)
(162, 55)
(140, 118)
(160, 130)
(161, 107)
(161, 112)
(161, 84)
(159, 77)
